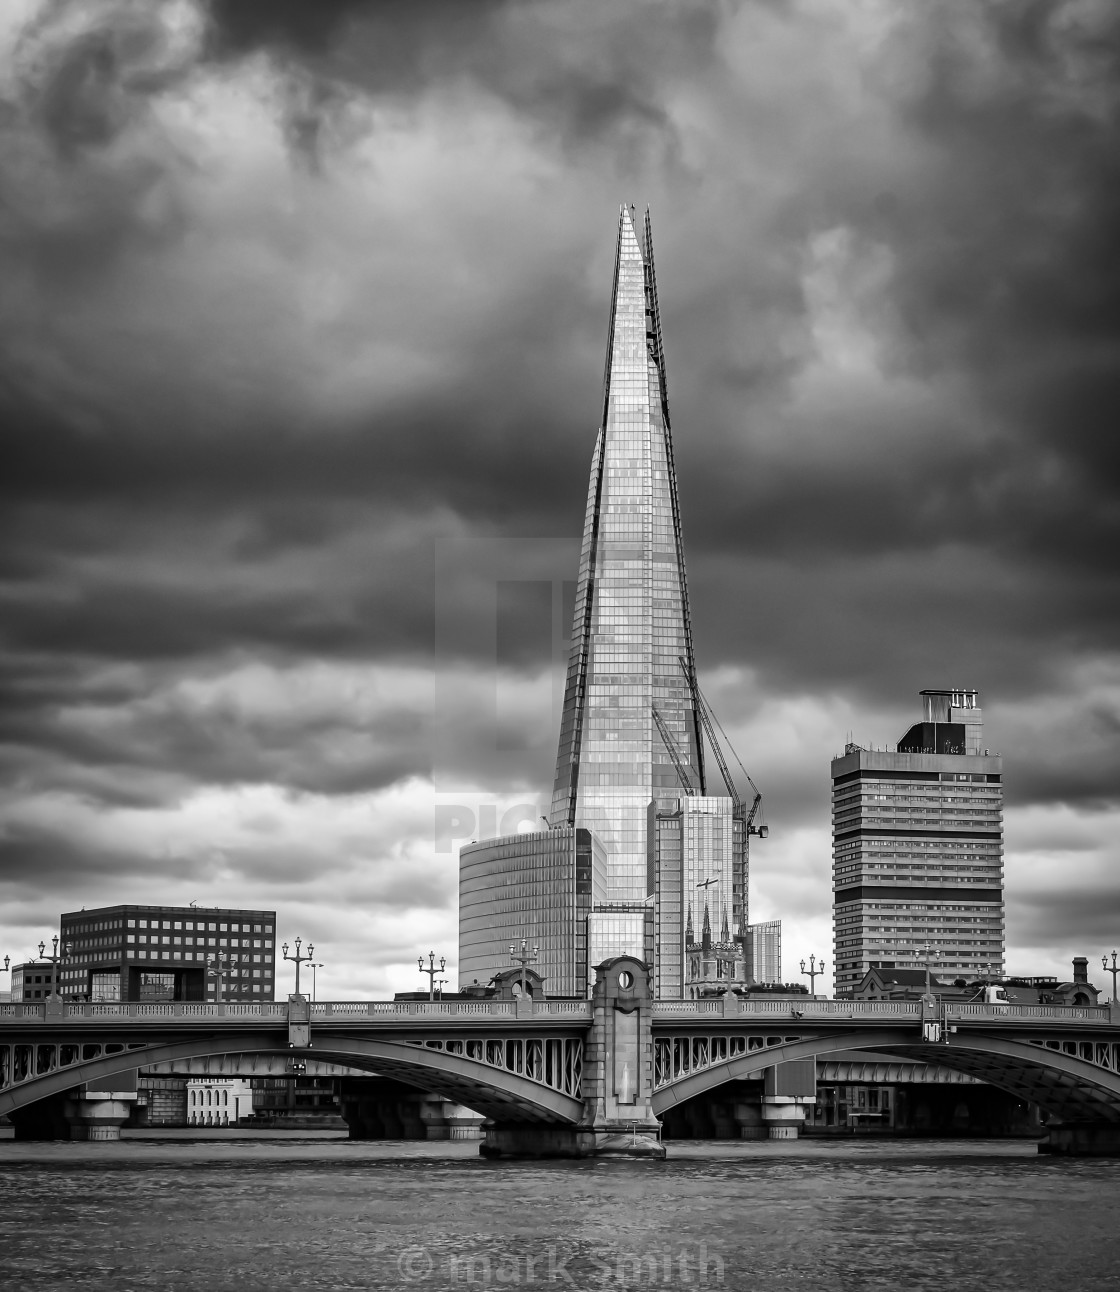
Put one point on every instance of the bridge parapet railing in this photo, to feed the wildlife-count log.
(1065, 1013)
(441, 1009)
(787, 1007)
(321, 1011)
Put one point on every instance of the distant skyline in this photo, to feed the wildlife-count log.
(301, 348)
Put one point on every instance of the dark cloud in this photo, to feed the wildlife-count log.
(300, 296)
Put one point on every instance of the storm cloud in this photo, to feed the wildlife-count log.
(304, 304)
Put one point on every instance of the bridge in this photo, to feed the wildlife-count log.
(571, 1076)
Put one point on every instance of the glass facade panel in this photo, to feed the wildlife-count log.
(631, 624)
(537, 886)
(618, 931)
(764, 951)
(693, 860)
(629, 732)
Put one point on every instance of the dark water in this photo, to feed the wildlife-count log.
(327, 1214)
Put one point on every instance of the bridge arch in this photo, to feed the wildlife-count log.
(1063, 1085)
(490, 1090)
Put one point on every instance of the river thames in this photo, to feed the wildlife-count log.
(313, 1213)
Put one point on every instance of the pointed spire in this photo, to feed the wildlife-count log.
(610, 762)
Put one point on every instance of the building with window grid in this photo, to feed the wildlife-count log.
(137, 953)
(32, 980)
(692, 879)
(918, 849)
(763, 946)
(536, 886)
(631, 654)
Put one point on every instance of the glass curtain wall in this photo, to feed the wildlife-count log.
(631, 624)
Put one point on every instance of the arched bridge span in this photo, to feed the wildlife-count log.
(531, 1074)
(522, 1062)
(1070, 1075)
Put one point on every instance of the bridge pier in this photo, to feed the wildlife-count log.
(1082, 1141)
(381, 1108)
(617, 1082)
(77, 1115)
(98, 1115)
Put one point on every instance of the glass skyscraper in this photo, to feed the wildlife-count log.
(630, 753)
(540, 886)
(631, 625)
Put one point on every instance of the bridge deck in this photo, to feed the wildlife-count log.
(487, 1013)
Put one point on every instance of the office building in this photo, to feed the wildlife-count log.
(763, 949)
(158, 953)
(218, 1101)
(32, 981)
(538, 887)
(918, 849)
(631, 626)
(631, 722)
(692, 879)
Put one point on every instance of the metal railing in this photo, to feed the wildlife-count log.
(801, 1007)
(786, 1008)
(340, 1011)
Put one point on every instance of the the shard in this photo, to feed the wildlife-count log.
(631, 640)
(637, 855)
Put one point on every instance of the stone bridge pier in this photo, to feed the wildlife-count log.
(617, 1080)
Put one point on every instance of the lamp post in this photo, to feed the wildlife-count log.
(812, 971)
(313, 965)
(54, 958)
(927, 953)
(524, 957)
(298, 958)
(1112, 968)
(217, 967)
(440, 984)
(431, 970)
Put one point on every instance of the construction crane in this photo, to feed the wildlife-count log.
(709, 722)
(674, 752)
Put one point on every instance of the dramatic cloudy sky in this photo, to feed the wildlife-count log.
(302, 317)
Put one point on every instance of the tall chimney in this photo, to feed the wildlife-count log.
(1080, 969)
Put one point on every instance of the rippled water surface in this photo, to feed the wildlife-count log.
(247, 1214)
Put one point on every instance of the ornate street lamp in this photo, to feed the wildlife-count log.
(299, 959)
(431, 970)
(218, 966)
(54, 958)
(812, 971)
(524, 957)
(1113, 969)
(926, 952)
